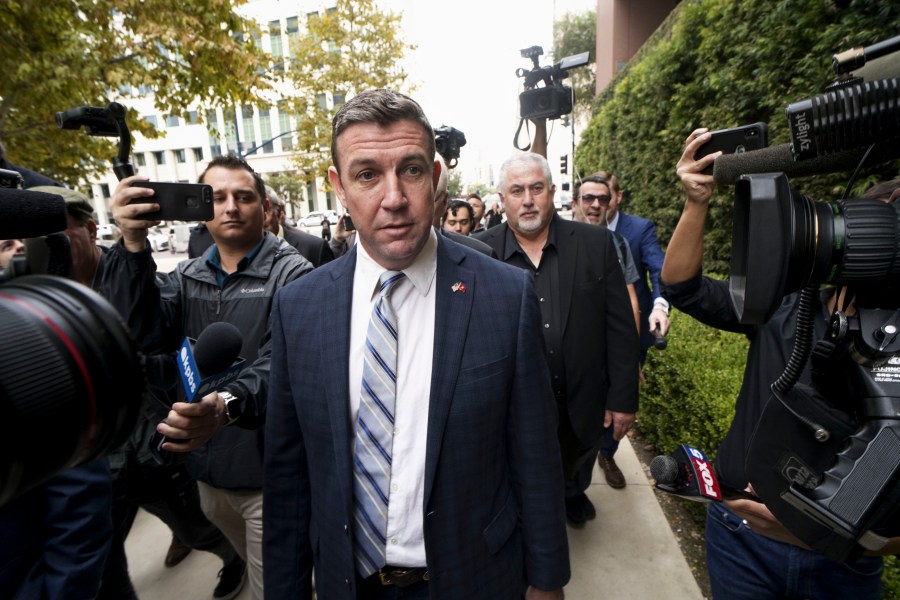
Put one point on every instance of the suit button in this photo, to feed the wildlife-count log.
(346, 529)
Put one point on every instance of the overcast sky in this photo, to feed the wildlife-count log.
(465, 62)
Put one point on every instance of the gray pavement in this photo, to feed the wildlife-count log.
(629, 551)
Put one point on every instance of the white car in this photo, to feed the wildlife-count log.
(314, 219)
(159, 241)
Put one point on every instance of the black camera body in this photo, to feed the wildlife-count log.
(447, 141)
(553, 99)
(825, 457)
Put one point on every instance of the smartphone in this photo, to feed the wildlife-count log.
(177, 201)
(735, 141)
(348, 223)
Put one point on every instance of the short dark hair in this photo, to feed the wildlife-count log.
(592, 179)
(613, 184)
(454, 206)
(383, 107)
(230, 161)
(476, 196)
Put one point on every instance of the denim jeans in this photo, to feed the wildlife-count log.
(746, 565)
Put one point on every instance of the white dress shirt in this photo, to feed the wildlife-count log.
(413, 300)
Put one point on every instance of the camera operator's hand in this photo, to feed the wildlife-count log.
(621, 423)
(760, 519)
(697, 185)
(539, 142)
(684, 255)
(659, 319)
(340, 232)
(127, 216)
(189, 426)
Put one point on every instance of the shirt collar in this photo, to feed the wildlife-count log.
(612, 224)
(511, 246)
(420, 273)
(214, 261)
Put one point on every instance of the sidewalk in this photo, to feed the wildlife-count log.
(627, 552)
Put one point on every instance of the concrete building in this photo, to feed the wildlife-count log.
(264, 135)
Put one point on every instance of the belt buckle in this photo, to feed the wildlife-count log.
(401, 577)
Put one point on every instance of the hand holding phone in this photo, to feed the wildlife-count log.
(177, 201)
(734, 141)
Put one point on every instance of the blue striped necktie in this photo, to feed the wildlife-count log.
(375, 432)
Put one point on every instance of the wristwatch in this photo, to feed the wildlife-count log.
(233, 407)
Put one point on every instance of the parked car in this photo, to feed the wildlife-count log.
(314, 219)
(107, 235)
(159, 241)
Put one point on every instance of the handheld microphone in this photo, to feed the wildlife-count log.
(26, 214)
(728, 168)
(687, 474)
(659, 340)
(211, 361)
(205, 365)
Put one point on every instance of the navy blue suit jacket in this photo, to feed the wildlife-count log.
(493, 490)
(648, 257)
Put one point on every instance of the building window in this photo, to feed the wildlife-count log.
(140, 159)
(275, 38)
(249, 130)
(284, 126)
(322, 101)
(179, 156)
(265, 130)
(198, 154)
(160, 157)
(339, 98)
(104, 190)
(171, 121)
(151, 119)
(193, 117)
(293, 25)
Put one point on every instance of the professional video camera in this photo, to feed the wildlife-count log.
(71, 379)
(448, 140)
(825, 458)
(554, 99)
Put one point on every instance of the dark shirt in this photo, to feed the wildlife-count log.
(708, 301)
(546, 284)
(214, 261)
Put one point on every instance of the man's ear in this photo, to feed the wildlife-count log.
(335, 179)
(92, 230)
(437, 174)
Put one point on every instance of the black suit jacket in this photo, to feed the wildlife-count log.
(600, 342)
(493, 491)
(313, 248)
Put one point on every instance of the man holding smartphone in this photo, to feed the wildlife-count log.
(234, 281)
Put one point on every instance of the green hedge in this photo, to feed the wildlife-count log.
(723, 63)
(691, 386)
(689, 398)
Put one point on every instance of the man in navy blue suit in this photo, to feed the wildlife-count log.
(471, 502)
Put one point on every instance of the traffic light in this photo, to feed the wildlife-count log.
(564, 164)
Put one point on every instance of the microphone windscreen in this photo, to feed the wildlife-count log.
(217, 347)
(664, 469)
(728, 168)
(27, 214)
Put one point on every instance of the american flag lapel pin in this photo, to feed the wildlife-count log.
(459, 286)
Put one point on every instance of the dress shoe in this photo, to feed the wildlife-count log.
(178, 550)
(579, 510)
(611, 471)
(575, 512)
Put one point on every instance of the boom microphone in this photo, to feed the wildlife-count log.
(27, 214)
(687, 474)
(728, 168)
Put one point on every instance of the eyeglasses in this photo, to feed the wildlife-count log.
(591, 198)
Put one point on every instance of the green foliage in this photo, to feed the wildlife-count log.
(350, 49)
(289, 185)
(454, 183)
(890, 579)
(703, 389)
(719, 64)
(574, 34)
(59, 55)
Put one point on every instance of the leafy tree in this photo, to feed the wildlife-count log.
(454, 183)
(347, 50)
(574, 34)
(695, 72)
(289, 185)
(58, 55)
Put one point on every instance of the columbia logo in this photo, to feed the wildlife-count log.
(258, 290)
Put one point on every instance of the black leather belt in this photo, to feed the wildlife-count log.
(401, 576)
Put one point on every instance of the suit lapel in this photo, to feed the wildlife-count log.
(336, 370)
(452, 311)
(567, 250)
